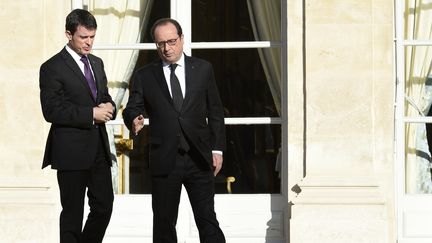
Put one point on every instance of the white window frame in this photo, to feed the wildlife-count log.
(404, 201)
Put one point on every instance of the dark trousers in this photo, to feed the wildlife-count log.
(199, 184)
(100, 195)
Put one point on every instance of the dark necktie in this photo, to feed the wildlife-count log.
(176, 91)
(177, 97)
(89, 76)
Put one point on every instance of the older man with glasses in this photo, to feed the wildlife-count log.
(187, 132)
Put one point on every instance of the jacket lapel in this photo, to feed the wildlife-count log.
(161, 81)
(70, 62)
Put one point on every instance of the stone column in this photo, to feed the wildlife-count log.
(340, 133)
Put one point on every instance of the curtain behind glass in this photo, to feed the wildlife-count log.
(266, 23)
(418, 19)
(119, 22)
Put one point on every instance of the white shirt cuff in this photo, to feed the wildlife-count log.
(217, 152)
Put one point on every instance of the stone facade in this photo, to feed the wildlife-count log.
(340, 128)
(340, 121)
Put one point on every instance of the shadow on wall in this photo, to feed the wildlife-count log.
(279, 224)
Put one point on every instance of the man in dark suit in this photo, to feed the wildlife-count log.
(75, 100)
(187, 132)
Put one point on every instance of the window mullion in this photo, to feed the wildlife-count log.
(235, 44)
(228, 121)
(181, 10)
(417, 43)
(194, 45)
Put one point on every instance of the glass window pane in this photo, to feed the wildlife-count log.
(418, 80)
(222, 20)
(243, 86)
(418, 146)
(250, 159)
(160, 9)
(228, 20)
(418, 102)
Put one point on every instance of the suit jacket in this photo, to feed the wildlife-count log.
(201, 117)
(67, 103)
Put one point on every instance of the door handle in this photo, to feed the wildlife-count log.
(123, 145)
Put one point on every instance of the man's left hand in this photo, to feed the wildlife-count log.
(217, 163)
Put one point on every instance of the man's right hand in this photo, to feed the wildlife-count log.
(137, 124)
(103, 113)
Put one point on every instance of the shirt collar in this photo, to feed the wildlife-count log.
(180, 62)
(74, 55)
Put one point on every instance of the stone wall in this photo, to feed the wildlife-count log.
(32, 31)
(340, 120)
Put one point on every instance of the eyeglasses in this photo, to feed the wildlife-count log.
(170, 42)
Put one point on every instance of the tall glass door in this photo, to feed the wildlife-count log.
(244, 42)
(413, 120)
